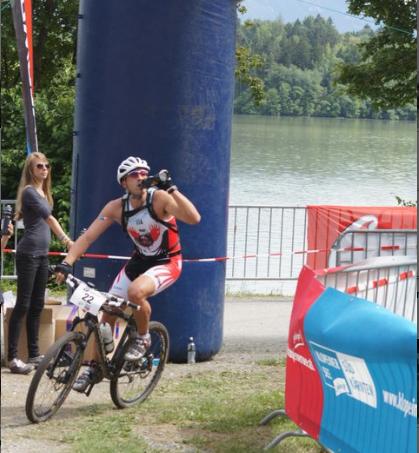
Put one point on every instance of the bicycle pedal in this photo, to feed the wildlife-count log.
(89, 389)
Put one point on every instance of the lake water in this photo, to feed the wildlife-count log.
(300, 161)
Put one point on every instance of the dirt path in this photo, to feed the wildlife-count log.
(253, 330)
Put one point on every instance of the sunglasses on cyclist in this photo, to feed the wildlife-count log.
(137, 173)
(40, 166)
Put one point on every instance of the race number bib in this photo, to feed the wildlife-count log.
(88, 299)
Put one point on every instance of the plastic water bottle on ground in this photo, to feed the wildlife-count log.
(191, 351)
(107, 336)
(156, 361)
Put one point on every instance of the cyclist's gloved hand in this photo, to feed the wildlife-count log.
(64, 269)
(166, 181)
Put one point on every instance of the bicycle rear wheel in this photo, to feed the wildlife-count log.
(136, 380)
(54, 377)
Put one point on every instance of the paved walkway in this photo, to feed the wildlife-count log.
(255, 323)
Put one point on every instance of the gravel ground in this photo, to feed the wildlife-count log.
(254, 329)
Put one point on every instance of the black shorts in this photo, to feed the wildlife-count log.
(139, 264)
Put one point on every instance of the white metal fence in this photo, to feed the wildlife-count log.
(267, 246)
(388, 281)
(364, 244)
(262, 241)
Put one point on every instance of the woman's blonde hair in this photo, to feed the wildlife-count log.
(28, 179)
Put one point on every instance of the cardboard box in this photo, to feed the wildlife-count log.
(56, 320)
(64, 319)
(46, 332)
(63, 322)
(53, 302)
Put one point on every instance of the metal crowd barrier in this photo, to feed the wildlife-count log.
(257, 230)
(262, 231)
(282, 436)
(364, 244)
(388, 281)
(270, 242)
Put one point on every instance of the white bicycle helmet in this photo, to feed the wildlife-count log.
(130, 164)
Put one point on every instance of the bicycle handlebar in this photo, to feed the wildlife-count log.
(111, 299)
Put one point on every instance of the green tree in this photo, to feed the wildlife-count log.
(386, 72)
(299, 60)
(271, 105)
(246, 64)
(349, 107)
(54, 32)
(54, 39)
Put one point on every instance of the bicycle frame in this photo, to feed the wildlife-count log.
(92, 324)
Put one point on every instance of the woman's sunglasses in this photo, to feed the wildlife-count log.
(41, 166)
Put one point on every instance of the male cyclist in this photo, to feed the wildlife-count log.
(149, 216)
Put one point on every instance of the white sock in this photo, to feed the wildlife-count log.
(146, 336)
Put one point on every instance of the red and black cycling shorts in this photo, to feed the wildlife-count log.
(163, 271)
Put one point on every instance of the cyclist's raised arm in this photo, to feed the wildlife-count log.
(109, 214)
(175, 204)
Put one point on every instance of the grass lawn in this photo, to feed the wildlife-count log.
(212, 411)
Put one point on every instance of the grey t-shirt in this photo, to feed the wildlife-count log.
(37, 234)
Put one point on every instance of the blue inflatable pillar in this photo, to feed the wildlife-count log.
(156, 80)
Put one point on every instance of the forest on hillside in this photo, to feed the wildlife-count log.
(298, 64)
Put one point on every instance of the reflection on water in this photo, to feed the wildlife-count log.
(301, 161)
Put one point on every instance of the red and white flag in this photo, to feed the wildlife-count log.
(22, 21)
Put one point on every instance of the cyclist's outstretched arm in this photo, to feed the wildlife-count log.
(109, 214)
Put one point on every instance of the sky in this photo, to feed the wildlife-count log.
(291, 10)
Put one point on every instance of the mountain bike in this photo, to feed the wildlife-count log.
(130, 382)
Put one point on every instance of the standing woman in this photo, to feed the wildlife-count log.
(33, 205)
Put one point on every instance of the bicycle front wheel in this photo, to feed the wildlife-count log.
(54, 377)
(136, 380)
